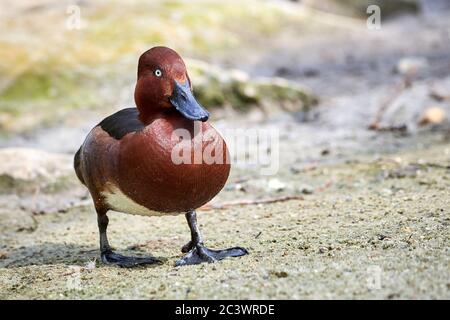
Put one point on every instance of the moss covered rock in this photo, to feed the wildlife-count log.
(29, 170)
(215, 87)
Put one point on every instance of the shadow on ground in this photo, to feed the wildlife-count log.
(58, 253)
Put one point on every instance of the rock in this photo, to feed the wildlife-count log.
(440, 90)
(215, 87)
(276, 185)
(407, 109)
(306, 189)
(411, 65)
(323, 250)
(432, 115)
(30, 170)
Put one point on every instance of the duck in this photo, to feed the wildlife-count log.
(159, 158)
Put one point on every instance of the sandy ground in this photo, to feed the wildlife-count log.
(373, 221)
(380, 233)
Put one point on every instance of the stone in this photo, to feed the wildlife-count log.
(24, 169)
(215, 87)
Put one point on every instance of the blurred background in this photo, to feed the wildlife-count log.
(361, 104)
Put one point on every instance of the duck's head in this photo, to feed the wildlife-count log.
(163, 85)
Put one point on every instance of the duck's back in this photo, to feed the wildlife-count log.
(135, 168)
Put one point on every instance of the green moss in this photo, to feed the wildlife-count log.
(211, 94)
(7, 184)
(61, 184)
(29, 85)
(38, 97)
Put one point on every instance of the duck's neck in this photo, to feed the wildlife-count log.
(145, 116)
(148, 115)
(147, 102)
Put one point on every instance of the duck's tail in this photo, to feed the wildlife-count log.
(77, 165)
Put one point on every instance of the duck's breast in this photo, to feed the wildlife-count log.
(172, 165)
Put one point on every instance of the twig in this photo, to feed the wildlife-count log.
(227, 205)
(402, 128)
(432, 165)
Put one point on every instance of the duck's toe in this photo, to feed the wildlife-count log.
(188, 247)
(199, 254)
(111, 258)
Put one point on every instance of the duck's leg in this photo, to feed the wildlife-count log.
(197, 252)
(110, 257)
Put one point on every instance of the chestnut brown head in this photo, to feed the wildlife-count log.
(163, 84)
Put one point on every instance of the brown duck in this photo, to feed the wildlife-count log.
(132, 161)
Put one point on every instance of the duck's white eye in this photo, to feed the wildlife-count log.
(158, 73)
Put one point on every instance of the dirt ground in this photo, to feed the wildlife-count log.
(371, 219)
(381, 233)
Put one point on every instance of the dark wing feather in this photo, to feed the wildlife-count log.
(122, 122)
(116, 125)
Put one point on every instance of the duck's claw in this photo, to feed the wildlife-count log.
(188, 247)
(110, 257)
(198, 254)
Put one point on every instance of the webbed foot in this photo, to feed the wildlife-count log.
(111, 258)
(198, 254)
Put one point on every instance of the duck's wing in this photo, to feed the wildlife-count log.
(77, 165)
(95, 161)
(122, 122)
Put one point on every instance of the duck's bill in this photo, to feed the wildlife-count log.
(184, 101)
